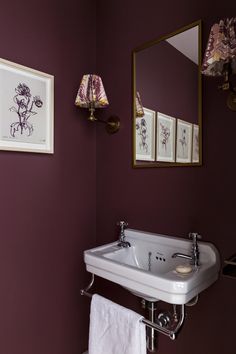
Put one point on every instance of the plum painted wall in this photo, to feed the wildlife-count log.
(48, 202)
(172, 201)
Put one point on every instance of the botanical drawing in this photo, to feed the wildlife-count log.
(142, 132)
(25, 104)
(164, 135)
(26, 109)
(184, 141)
(165, 147)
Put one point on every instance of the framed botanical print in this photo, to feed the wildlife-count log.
(165, 147)
(184, 142)
(145, 136)
(26, 109)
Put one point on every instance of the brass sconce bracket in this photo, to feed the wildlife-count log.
(231, 100)
(112, 124)
(228, 86)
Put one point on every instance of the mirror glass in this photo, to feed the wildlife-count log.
(167, 112)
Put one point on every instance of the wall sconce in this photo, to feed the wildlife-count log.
(92, 95)
(220, 56)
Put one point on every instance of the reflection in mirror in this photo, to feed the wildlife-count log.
(167, 129)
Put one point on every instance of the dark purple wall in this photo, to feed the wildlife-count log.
(48, 201)
(168, 81)
(172, 201)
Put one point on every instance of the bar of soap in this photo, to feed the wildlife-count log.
(184, 269)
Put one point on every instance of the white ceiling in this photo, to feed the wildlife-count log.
(187, 43)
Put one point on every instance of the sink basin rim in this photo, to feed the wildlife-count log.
(174, 288)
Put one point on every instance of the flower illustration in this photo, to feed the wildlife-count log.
(24, 110)
(183, 139)
(142, 132)
(38, 102)
(23, 90)
(165, 134)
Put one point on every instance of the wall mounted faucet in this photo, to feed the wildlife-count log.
(194, 257)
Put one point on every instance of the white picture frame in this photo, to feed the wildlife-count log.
(145, 136)
(166, 131)
(184, 141)
(195, 145)
(26, 109)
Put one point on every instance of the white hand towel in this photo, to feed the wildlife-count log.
(115, 329)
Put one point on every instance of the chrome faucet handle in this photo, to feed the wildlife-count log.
(195, 250)
(122, 242)
(194, 236)
(122, 224)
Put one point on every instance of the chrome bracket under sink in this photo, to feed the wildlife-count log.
(171, 333)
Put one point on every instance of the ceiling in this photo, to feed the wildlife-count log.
(187, 43)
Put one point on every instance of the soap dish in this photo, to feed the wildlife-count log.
(184, 269)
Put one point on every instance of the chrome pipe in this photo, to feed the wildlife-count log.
(151, 334)
(165, 331)
(84, 291)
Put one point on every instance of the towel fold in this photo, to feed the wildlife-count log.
(115, 329)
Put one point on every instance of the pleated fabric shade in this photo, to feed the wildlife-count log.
(139, 106)
(220, 54)
(91, 93)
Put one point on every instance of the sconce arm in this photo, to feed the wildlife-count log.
(112, 124)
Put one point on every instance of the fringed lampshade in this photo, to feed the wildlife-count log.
(220, 56)
(91, 94)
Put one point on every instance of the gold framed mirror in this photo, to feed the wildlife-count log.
(167, 100)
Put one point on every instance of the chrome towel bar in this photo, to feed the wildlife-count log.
(170, 333)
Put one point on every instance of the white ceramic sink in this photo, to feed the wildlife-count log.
(147, 268)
